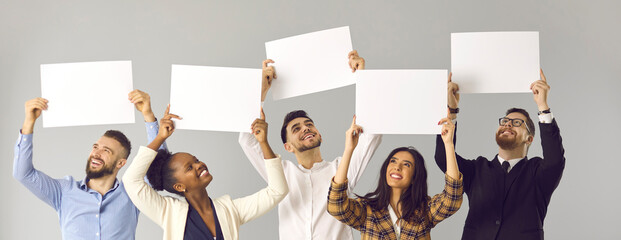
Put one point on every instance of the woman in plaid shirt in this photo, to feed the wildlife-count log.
(399, 208)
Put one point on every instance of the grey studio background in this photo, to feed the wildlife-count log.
(580, 54)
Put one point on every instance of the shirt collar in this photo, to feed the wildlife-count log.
(84, 187)
(512, 162)
(316, 167)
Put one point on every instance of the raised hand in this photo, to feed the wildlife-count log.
(269, 74)
(32, 110)
(167, 126)
(142, 102)
(355, 61)
(453, 95)
(540, 90)
(448, 130)
(259, 128)
(352, 135)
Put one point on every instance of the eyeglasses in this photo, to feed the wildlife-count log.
(515, 122)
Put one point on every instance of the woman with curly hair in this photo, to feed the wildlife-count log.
(197, 216)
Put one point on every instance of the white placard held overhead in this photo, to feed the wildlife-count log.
(495, 62)
(401, 101)
(87, 93)
(215, 98)
(310, 63)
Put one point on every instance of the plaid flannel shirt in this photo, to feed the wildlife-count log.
(374, 224)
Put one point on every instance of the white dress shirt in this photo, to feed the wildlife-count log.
(303, 214)
(395, 221)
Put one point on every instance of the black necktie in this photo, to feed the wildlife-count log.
(505, 166)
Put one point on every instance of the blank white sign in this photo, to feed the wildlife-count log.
(87, 93)
(401, 101)
(495, 62)
(215, 98)
(310, 63)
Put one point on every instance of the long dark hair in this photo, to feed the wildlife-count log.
(160, 175)
(413, 200)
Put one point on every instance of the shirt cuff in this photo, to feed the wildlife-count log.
(338, 186)
(546, 118)
(24, 138)
(151, 125)
(454, 185)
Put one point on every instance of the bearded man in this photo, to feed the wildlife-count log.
(96, 207)
(508, 197)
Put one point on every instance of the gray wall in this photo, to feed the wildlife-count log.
(580, 54)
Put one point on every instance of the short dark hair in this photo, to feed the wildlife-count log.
(529, 122)
(290, 116)
(122, 139)
(160, 174)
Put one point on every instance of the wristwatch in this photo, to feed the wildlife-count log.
(544, 112)
(453, 110)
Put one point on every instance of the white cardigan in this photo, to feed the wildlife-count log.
(171, 213)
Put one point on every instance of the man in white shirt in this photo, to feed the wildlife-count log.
(302, 214)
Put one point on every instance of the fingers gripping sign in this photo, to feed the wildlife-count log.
(540, 89)
(259, 128)
(167, 126)
(32, 111)
(269, 74)
(448, 130)
(355, 61)
(352, 135)
(33, 108)
(453, 93)
(142, 102)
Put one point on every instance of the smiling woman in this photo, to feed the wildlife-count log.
(399, 208)
(197, 216)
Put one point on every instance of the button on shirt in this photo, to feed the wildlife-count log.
(303, 213)
(83, 213)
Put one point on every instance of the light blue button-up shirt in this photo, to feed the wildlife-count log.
(83, 213)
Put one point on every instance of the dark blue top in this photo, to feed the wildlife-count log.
(196, 229)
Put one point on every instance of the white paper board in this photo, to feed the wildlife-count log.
(215, 98)
(87, 93)
(310, 63)
(401, 101)
(495, 62)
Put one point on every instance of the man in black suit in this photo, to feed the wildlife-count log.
(509, 195)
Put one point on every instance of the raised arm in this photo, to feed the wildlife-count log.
(445, 204)
(448, 131)
(465, 166)
(351, 140)
(43, 186)
(248, 141)
(344, 209)
(142, 195)
(368, 143)
(550, 170)
(264, 200)
(142, 102)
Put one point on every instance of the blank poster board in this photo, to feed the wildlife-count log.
(215, 98)
(87, 93)
(401, 101)
(310, 63)
(495, 62)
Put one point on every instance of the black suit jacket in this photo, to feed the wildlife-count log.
(510, 206)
